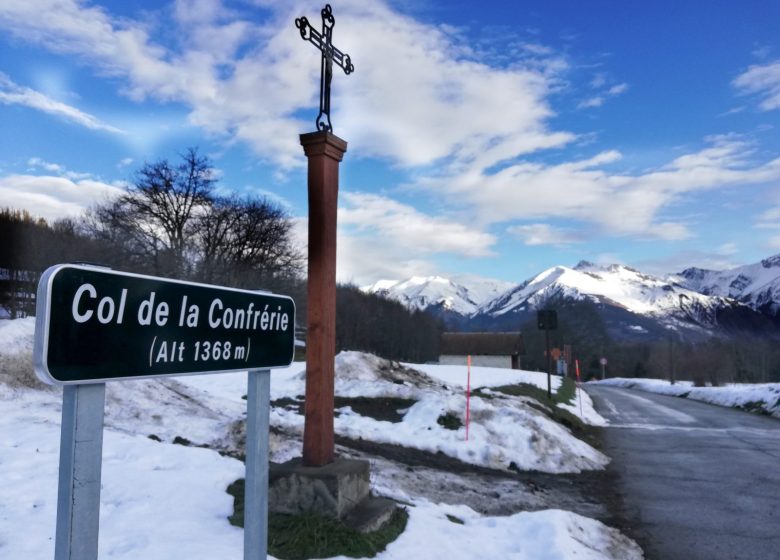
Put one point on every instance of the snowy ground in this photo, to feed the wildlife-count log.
(757, 397)
(161, 500)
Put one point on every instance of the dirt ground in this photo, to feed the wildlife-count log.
(401, 471)
(440, 478)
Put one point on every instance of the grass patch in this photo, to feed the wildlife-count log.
(450, 421)
(299, 537)
(756, 407)
(525, 390)
(456, 520)
(565, 395)
(567, 391)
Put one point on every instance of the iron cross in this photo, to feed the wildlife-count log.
(330, 54)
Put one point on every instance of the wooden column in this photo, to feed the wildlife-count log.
(324, 151)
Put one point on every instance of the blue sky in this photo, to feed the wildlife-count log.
(492, 139)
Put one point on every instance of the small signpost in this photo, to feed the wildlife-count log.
(95, 325)
(547, 320)
(603, 362)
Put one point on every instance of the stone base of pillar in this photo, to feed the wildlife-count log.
(339, 490)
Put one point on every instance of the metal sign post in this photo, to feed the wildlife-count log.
(81, 453)
(95, 325)
(547, 320)
(258, 400)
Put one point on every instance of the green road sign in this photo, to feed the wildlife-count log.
(95, 324)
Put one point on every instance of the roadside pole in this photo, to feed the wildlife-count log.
(256, 482)
(549, 362)
(81, 455)
(468, 395)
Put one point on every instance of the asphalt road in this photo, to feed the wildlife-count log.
(697, 481)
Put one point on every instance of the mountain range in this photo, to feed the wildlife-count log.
(693, 304)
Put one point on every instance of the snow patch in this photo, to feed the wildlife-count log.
(162, 501)
(757, 397)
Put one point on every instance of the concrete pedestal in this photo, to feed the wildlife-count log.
(332, 490)
(339, 489)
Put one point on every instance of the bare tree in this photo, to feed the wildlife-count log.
(171, 223)
(154, 221)
(245, 241)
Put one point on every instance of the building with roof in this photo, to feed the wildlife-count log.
(489, 349)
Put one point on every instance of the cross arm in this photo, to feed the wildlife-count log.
(308, 33)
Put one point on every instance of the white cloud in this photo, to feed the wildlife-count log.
(417, 96)
(36, 164)
(617, 89)
(598, 100)
(383, 218)
(598, 81)
(762, 80)
(619, 203)
(591, 102)
(773, 242)
(543, 234)
(727, 249)
(13, 94)
(365, 259)
(768, 219)
(53, 197)
(680, 260)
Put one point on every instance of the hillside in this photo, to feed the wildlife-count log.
(170, 446)
(756, 285)
(457, 297)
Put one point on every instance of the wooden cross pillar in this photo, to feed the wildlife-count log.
(324, 152)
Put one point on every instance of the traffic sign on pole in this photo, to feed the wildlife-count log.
(95, 324)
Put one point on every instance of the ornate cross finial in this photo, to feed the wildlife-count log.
(330, 54)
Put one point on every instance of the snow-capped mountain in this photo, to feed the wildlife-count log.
(694, 304)
(757, 285)
(442, 294)
(632, 303)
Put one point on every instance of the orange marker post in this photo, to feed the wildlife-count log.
(577, 367)
(468, 394)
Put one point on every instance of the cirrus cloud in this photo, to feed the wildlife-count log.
(13, 94)
(762, 80)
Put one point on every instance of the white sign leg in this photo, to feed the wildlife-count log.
(81, 453)
(258, 404)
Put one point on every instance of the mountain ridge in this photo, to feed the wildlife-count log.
(695, 303)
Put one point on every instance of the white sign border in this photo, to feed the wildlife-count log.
(43, 322)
